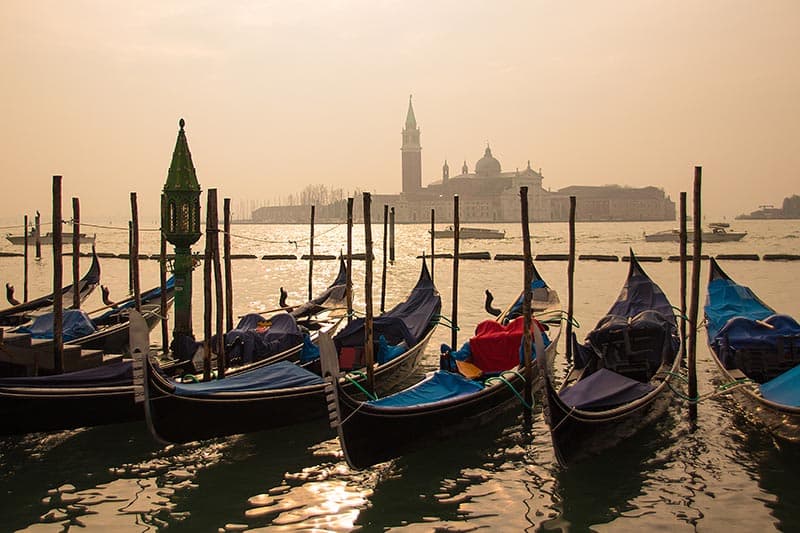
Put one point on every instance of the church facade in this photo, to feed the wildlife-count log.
(487, 194)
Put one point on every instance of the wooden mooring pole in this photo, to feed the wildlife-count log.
(526, 298)
(456, 237)
(683, 242)
(311, 258)
(37, 239)
(76, 253)
(693, 304)
(570, 277)
(219, 303)
(130, 256)
(383, 272)
(137, 289)
(369, 346)
(58, 281)
(226, 239)
(391, 235)
(433, 244)
(162, 277)
(25, 264)
(349, 283)
(208, 259)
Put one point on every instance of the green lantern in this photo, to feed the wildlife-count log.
(180, 224)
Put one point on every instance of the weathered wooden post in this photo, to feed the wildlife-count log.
(137, 289)
(58, 281)
(433, 243)
(383, 272)
(37, 238)
(130, 256)
(369, 347)
(526, 298)
(570, 277)
(76, 253)
(391, 235)
(219, 305)
(311, 258)
(208, 259)
(456, 237)
(25, 264)
(162, 277)
(693, 305)
(683, 242)
(349, 283)
(228, 267)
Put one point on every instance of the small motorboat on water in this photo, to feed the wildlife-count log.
(718, 232)
(47, 238)
(469, 233)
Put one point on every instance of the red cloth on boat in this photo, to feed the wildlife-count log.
(496, 347)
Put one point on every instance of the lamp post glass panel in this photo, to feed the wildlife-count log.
(180, 223)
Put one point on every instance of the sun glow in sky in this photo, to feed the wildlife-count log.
(280, 95)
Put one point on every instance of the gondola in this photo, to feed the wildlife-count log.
(284, 393)
(101, 395)
(20, 313)
(621, 376)
(106, 329)
(447, 401)
(753, 345)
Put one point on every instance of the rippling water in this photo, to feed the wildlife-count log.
(722, 474)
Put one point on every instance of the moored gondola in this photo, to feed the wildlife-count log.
(621, 377)
(21, 313)
(284, 393)
(758, 348)
(445, 402)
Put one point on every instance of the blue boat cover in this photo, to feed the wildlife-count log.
(727, 299)
(281, 375)
(437, 386)
(604, 389)
(784, 389)
(77, 324)
(256, 337)
(516, 309)
(114, 375)
(406, 322)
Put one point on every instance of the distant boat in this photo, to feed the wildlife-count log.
(718, 233)
(47, 238)
(470, 233)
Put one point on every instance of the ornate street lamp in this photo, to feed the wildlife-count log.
(180, 224)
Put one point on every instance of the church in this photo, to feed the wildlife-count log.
(486, 194)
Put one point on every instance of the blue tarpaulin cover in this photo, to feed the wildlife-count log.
(406, 322)
(280, 375)
(604, 389)
(77, 324)
(727, 299)
(116, 374)
(784, 389)
(437, 386)
(256, 337)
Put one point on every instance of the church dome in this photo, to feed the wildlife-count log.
(487, 165)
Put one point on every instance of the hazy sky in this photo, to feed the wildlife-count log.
(279, 95)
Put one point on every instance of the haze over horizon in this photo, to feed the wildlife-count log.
(277, 96)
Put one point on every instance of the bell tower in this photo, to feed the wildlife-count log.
(412, 153)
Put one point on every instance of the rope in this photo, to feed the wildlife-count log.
(502, 379)
(444, 321)
(349, 378)
(724, 388)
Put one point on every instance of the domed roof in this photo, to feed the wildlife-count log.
(487, 165)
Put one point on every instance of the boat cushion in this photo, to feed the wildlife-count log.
(497, 347)
(784, 389)
(604, 389)
(77, 324)
(437, 386)
(281, 375)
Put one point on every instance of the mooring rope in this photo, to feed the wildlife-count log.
(501, 378)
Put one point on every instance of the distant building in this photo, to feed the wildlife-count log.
(488, 194)
(789, 210)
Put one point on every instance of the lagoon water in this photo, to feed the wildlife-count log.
(722, 475)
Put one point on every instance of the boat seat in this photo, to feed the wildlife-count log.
(468, 370)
